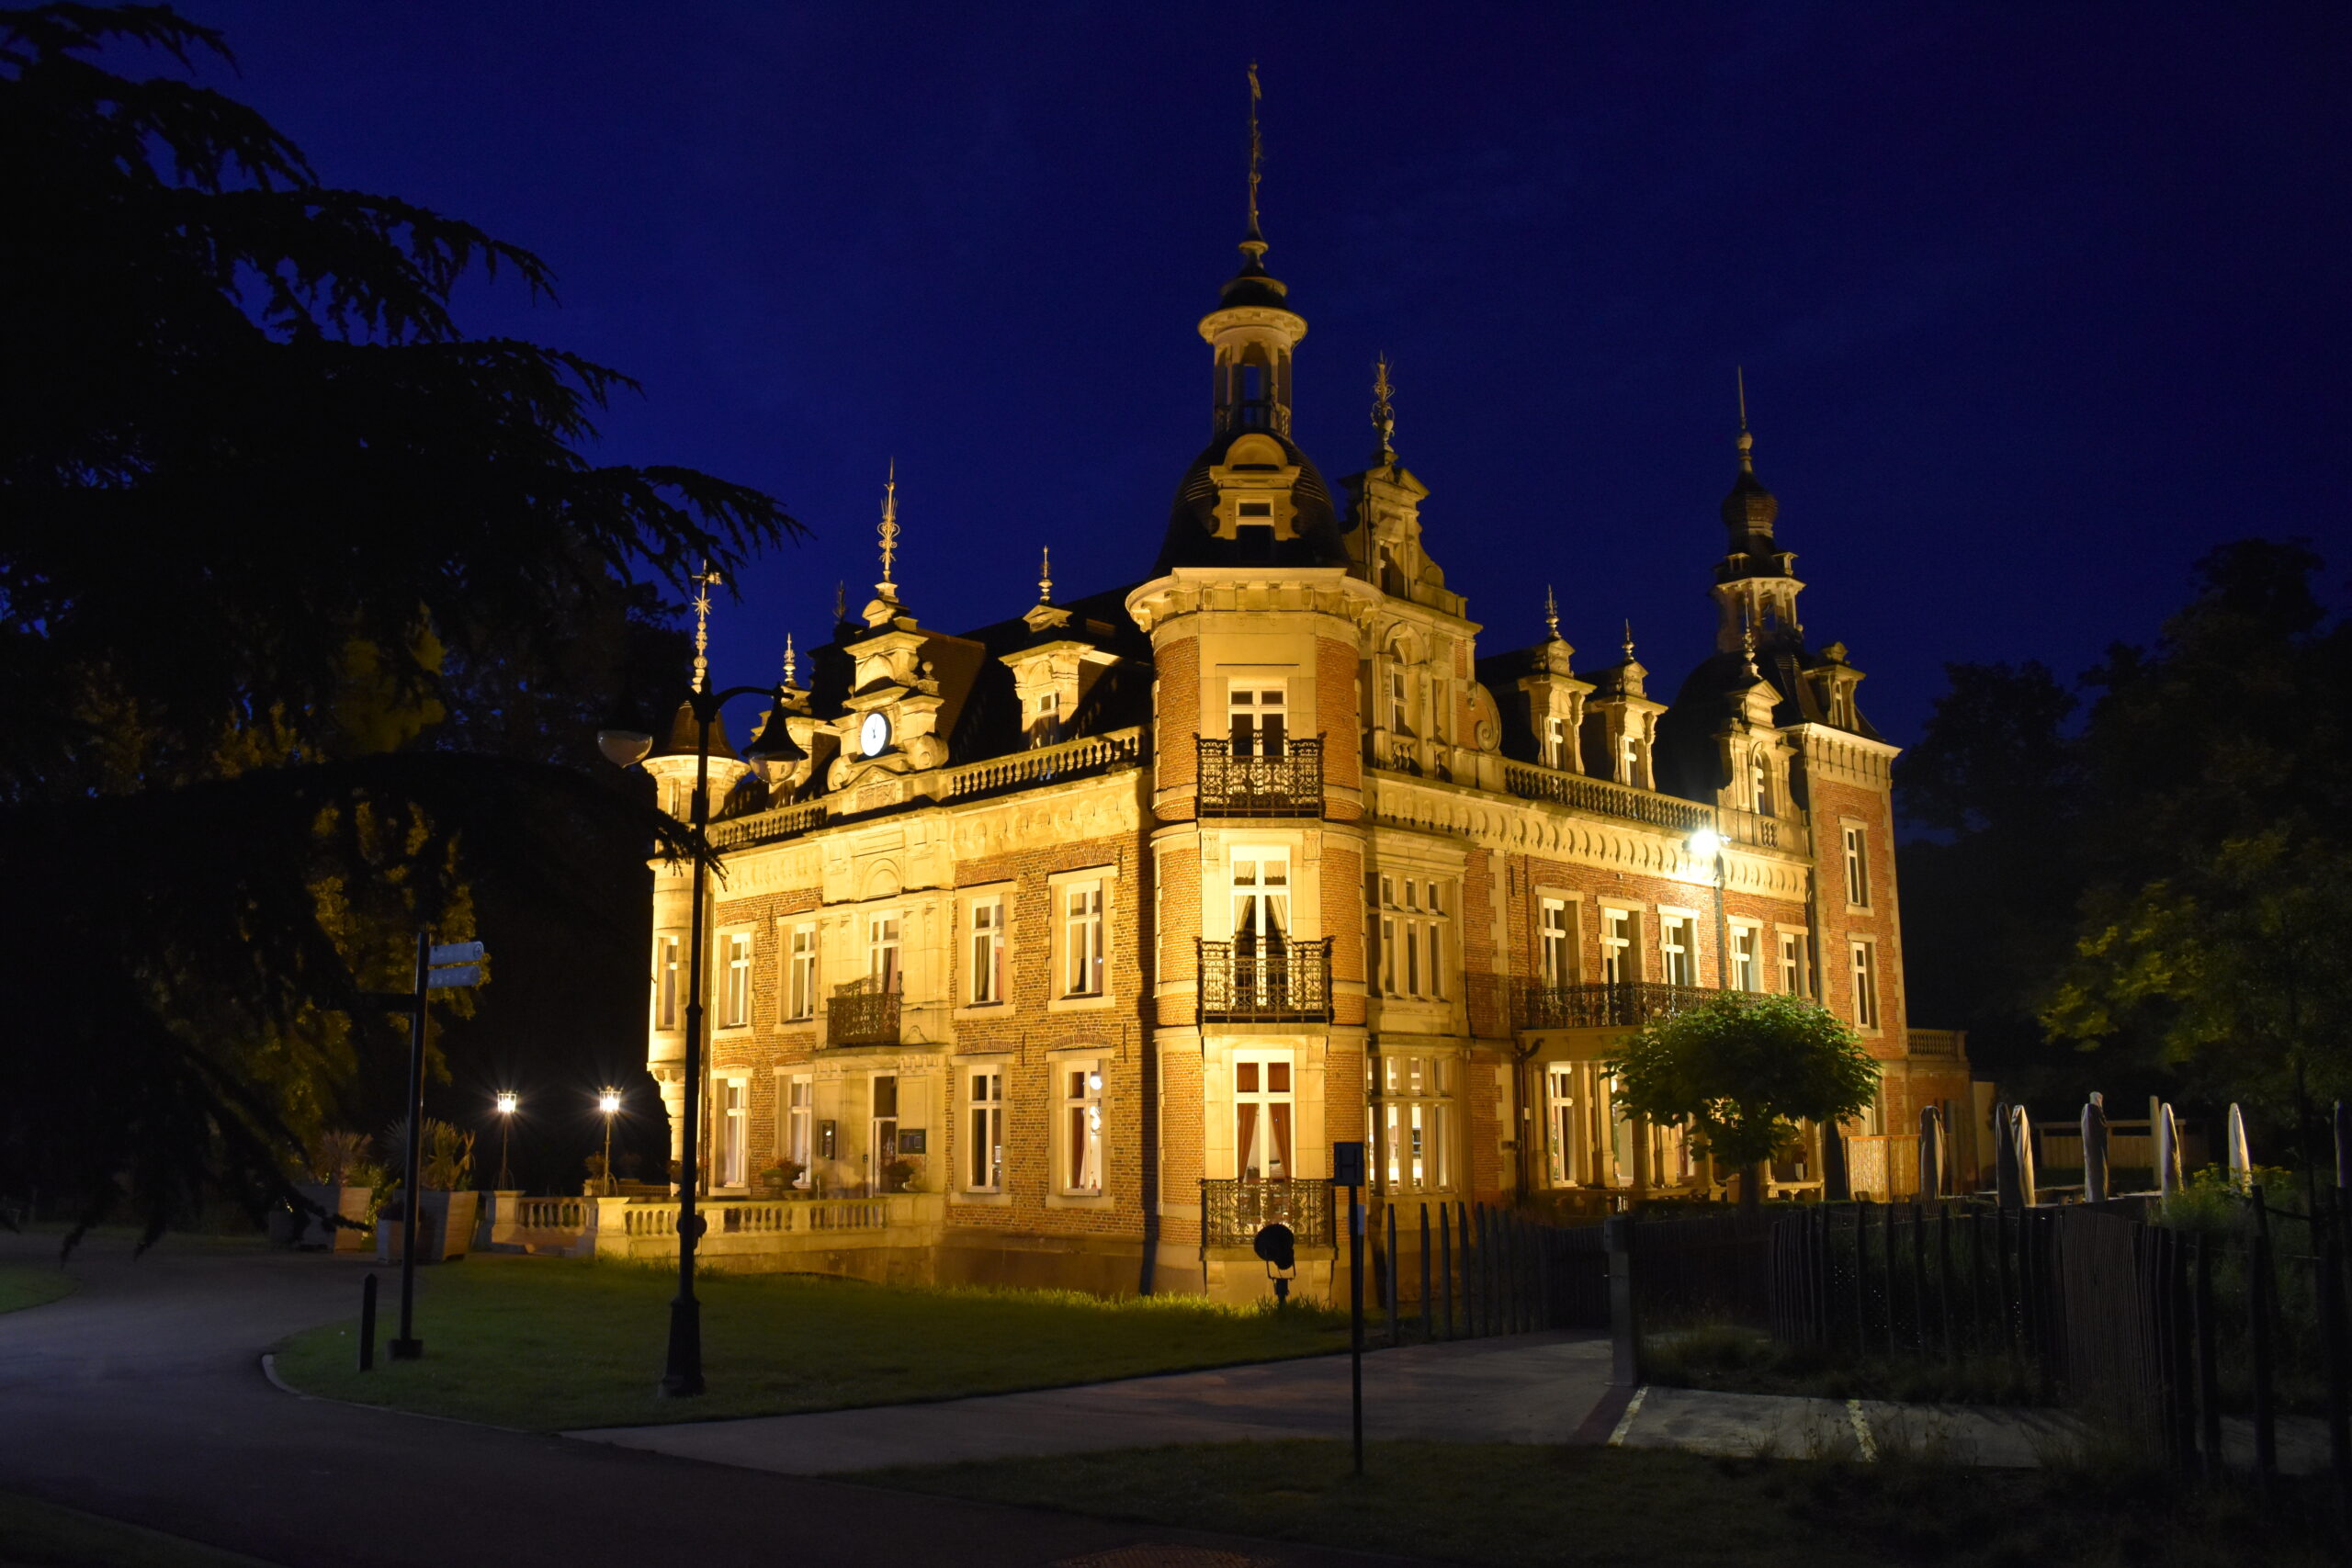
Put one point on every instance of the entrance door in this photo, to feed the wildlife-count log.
(732, 1115)
(882, 1140)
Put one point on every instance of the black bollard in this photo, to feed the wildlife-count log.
(1428, 1323)
(366, 1323)
(1389, 1210)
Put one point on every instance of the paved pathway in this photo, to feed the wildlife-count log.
(141, 1397)
(1525, 1389)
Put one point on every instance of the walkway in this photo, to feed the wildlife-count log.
(141, 1397)
(1532, 1388)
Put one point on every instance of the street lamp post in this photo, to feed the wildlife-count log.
(681, 1373)
(505, 1137)
(609, 1102)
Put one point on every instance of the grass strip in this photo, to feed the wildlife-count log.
(34, 1534)
(1521, 1506)
(554, 1343)
(32, 1284)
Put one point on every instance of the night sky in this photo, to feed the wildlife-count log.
(2037, 303)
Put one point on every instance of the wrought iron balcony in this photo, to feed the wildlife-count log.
(1626, 1004)
(862, 1013)
(1290, 785)
(1284, 981)
(1233, 1212)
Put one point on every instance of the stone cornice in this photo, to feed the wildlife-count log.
(1325, 591)
(1844, 756)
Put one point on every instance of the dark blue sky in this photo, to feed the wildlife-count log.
(2036, 302)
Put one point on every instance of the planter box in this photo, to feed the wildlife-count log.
(445, 1229)
(351, 1202)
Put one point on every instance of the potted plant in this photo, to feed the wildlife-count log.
(779, 1178)
(902, 1175)
(447, 1206)
(339, 1186)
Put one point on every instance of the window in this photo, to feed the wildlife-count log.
(1556, 957)
(1677, 948)
(882, 951)
(1563, 1149)
(1256, 720)
(1262, 1110)
(1415, 1121)
(984, 1155)
(1399, 709)
(1760, 784)
(1629, 758)
(800, 1111)
(1082, 1127)
(882, 1140)
(666, 983)
(1865, 985)
(1083, 938)
(1746, 968)
(1796, 975)
(1857, 871)
(1619, 963)
(800, 984)
(987, 951)
(1412, 938)
(735, 979)
(732, 1123)
(1045, 718)
(1555, 743)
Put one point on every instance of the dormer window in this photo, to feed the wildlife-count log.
(1045, 718)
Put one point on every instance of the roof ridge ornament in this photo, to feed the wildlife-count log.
(888, 587)
(1383, 415)
(1046, 575)
(1747, 442)
(1551, 613)
(704, 581)
(1629, 641)
(790, 662)
(1256, 163)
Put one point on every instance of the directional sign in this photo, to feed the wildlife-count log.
(442, 979)
(457, 953)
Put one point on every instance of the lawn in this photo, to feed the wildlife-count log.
(35, 1532)
(1523, 1505)
(550, 1344)
(32, 1284)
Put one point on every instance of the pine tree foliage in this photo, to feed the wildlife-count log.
(272, 519)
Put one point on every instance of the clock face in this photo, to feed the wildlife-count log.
(874, 734)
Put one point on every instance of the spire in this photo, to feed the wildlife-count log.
(1256, 166)
(1747, 442)
(1384, 417)
(888, 587)
(840, 601)
(704, 581)
(790, 663)
(1551, 613)
(1046, 576)
(1251, 286)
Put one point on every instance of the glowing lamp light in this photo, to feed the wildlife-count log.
(609, 1101)
(1705, 842)
(507, 1103)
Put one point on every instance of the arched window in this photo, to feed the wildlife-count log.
(1759, 773)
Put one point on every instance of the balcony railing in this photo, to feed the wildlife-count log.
(1286, 981)
(1740, 827)
(862, 1013)
(1290, 785)
(1626, 1004)
(1233, 1212)
(776, 822)
(1605, 796)
(1044, 765)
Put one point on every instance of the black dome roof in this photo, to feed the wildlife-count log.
(1191, 522)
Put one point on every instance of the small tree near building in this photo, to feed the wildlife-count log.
(1743, 1070)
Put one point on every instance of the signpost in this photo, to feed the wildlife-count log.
(1347, 1170)
(437, 969)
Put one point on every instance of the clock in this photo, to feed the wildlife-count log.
(874, 734)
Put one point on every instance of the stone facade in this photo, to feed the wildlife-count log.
(1093, 929)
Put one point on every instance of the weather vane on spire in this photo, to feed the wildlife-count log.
(1256, 150)
(1747, 442)
(1046, 576)
(1551, 612)
(1384, 416)
(888, 585)
(704, 581)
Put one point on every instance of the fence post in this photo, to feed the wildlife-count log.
(1943, 1282)
(1428, 1323)
(1446, 1245)
(2209, 1364)
(1389, 1210)
(2259, 1296)
(1861, 1277)
(1617, 1234)
(2094, 1132)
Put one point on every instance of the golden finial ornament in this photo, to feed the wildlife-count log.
(1551, 613)
(790, 663)
(1629, 642)
(1383, 415)
(1046, 575)
(889, 586)
(704, 581)
(1747, 442)
(1747, 644)
(1257, 151)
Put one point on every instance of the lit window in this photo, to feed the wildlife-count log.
(1563, 1145)
(1619, 965)
(733, 1119)
(1857, 871)
(1866, 985)
(1414, 1122)
(1554, 956)
(1628, 759)
(800, 1108)
(984, 1159)
(1083, 1127)
(801, 984)
(882, 1136)
(1746, 971)
(1412, 938)
(1262, 925)
(1262, 1110)
(735, 980)
(1555, 743)
(1082, 939)
(987, 951)
(882, 951)
(1256, 720)
(666, 983)
(1678, 949)
(1045, 718)
(1796, 975)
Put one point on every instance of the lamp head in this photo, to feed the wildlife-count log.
(624, 748)
(507, 1103)
(1706, 843)
(609, 1101)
